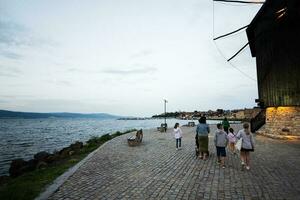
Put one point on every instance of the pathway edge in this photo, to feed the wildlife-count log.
(53, 187)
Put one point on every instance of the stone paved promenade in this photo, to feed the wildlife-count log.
(155, 170)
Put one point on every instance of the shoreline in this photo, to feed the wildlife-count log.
(70, 148)
(42, 176)
(35, 148)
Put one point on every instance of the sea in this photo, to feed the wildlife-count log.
(22, 138)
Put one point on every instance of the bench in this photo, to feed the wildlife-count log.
(163, 127)
(192, 124)
(135, 140)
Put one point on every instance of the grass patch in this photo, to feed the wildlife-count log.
(29, 185)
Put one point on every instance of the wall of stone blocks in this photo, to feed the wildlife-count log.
(283, 121)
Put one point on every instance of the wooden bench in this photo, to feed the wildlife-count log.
(163, 127)
(135, 140)
(192, 124)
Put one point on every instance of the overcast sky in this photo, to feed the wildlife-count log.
(124, 57)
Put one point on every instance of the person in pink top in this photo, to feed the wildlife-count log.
(232, 140)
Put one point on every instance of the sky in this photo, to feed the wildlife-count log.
(124, 57)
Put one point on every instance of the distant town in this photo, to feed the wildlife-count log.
(237, 114)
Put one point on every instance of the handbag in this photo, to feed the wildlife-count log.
(238, 144)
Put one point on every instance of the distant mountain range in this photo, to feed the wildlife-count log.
(31, 115)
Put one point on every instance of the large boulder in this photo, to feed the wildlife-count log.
(52, 158)
(41, 156)
(41, 165)
(65, 152)
(76, 146)
(4, 179)
(31, 164)
(18, 167)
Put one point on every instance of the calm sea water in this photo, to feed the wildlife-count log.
(22, 138)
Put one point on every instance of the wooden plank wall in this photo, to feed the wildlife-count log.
(278, 63)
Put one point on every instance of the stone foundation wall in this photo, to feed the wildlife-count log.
(283, 121)
(251, 113)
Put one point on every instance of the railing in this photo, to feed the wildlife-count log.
(258, 121)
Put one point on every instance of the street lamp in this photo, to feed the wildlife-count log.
(165, 108)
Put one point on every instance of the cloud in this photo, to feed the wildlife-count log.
(3, 101)
(77, 70)
(12, 33)
(10, 55)
(142, 53)
(81, 70)
(131, 71)
(10, 97)
(51, 105)
(9, 71)
(72, 70)
(138, 69)
(6, 96)
(59, 82)
(64, 83)
(5, 74)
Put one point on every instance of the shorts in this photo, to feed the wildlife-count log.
(221, 151)
(246, 150)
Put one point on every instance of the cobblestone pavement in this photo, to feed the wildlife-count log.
(155, 170)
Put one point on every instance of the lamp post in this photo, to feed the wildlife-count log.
(165, 108)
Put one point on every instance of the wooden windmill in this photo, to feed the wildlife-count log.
(274, 39)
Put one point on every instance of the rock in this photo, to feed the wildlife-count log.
(31, 164)
(52, 157)
(41, 165)
(18, 167)
(41, 156)
(76, 146)
(285, 130)
(71, 153)
(65, 152)
(4, 179)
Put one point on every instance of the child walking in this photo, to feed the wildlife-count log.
(221, 142)
(177, 135)
(232, 140)
(247, 145)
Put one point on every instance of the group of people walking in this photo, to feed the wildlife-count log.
(224, 136)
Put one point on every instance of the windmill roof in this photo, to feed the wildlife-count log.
(267, 18)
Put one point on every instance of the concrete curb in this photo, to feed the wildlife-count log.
(62, 178)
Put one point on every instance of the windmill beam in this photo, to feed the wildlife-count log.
(233, 1)
(238, 52)
(221, 36)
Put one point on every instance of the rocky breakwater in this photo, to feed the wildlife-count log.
(42, 160)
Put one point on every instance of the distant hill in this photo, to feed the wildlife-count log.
(32, 115)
